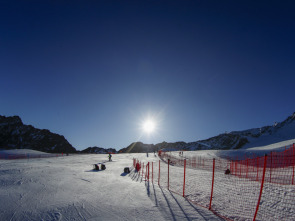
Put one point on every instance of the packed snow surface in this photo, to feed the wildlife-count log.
(67, 188)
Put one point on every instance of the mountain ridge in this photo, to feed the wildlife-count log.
(243, 139)
(16, 135)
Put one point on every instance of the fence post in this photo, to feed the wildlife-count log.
(261, 188)
(257, 163)
(293, 162)
(241, 168)
(168, 172)
(232, 165)
(284, 158)
(152, 172)
(270, 167)
(184, 162)
(212, 184)
(247, 168)
(139, 167)
(148, 171)
(142, 169)
(159, 173)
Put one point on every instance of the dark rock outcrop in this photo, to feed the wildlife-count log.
(16, 135)
(99, 150)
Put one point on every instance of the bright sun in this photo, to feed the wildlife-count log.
(149, 126)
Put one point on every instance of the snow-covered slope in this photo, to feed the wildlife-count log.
(241, 153)
(273, 134)
(245, 139)
(66, 188)
(18, 152)
(248, 138)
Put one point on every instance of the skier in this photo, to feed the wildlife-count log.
(110, 157)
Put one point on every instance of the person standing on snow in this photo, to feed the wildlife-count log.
(110, 157)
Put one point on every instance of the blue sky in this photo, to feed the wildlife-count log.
(93, 71)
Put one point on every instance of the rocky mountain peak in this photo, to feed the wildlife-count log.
(14, 120)
(15, 135)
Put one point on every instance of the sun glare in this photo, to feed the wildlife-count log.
(149, 126)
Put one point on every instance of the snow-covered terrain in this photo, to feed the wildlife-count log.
(267, 135)
(233, 197)
(66, 188)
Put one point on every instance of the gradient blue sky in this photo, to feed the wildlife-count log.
(93, 71)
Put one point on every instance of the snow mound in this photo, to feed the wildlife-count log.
(17, 152)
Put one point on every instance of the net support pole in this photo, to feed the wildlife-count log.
(159, 173)
(212, 184)
(293, 162)
(261, 188)
(152, 172)
(148, 171)
(142, 169)
(257, 163)
(184, 162)
(270, 167)
(168, 172)
(247, 168)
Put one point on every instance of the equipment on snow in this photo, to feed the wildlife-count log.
(96, 166)
(126, 170)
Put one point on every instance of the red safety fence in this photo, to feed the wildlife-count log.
(262, 188)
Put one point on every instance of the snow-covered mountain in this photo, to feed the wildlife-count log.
(16, 135)
(255, 137)
(138, 147)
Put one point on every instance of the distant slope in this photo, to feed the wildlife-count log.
(15, 135)
(282, 131)
(255, 137)
(99, 150)
(138, 147)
